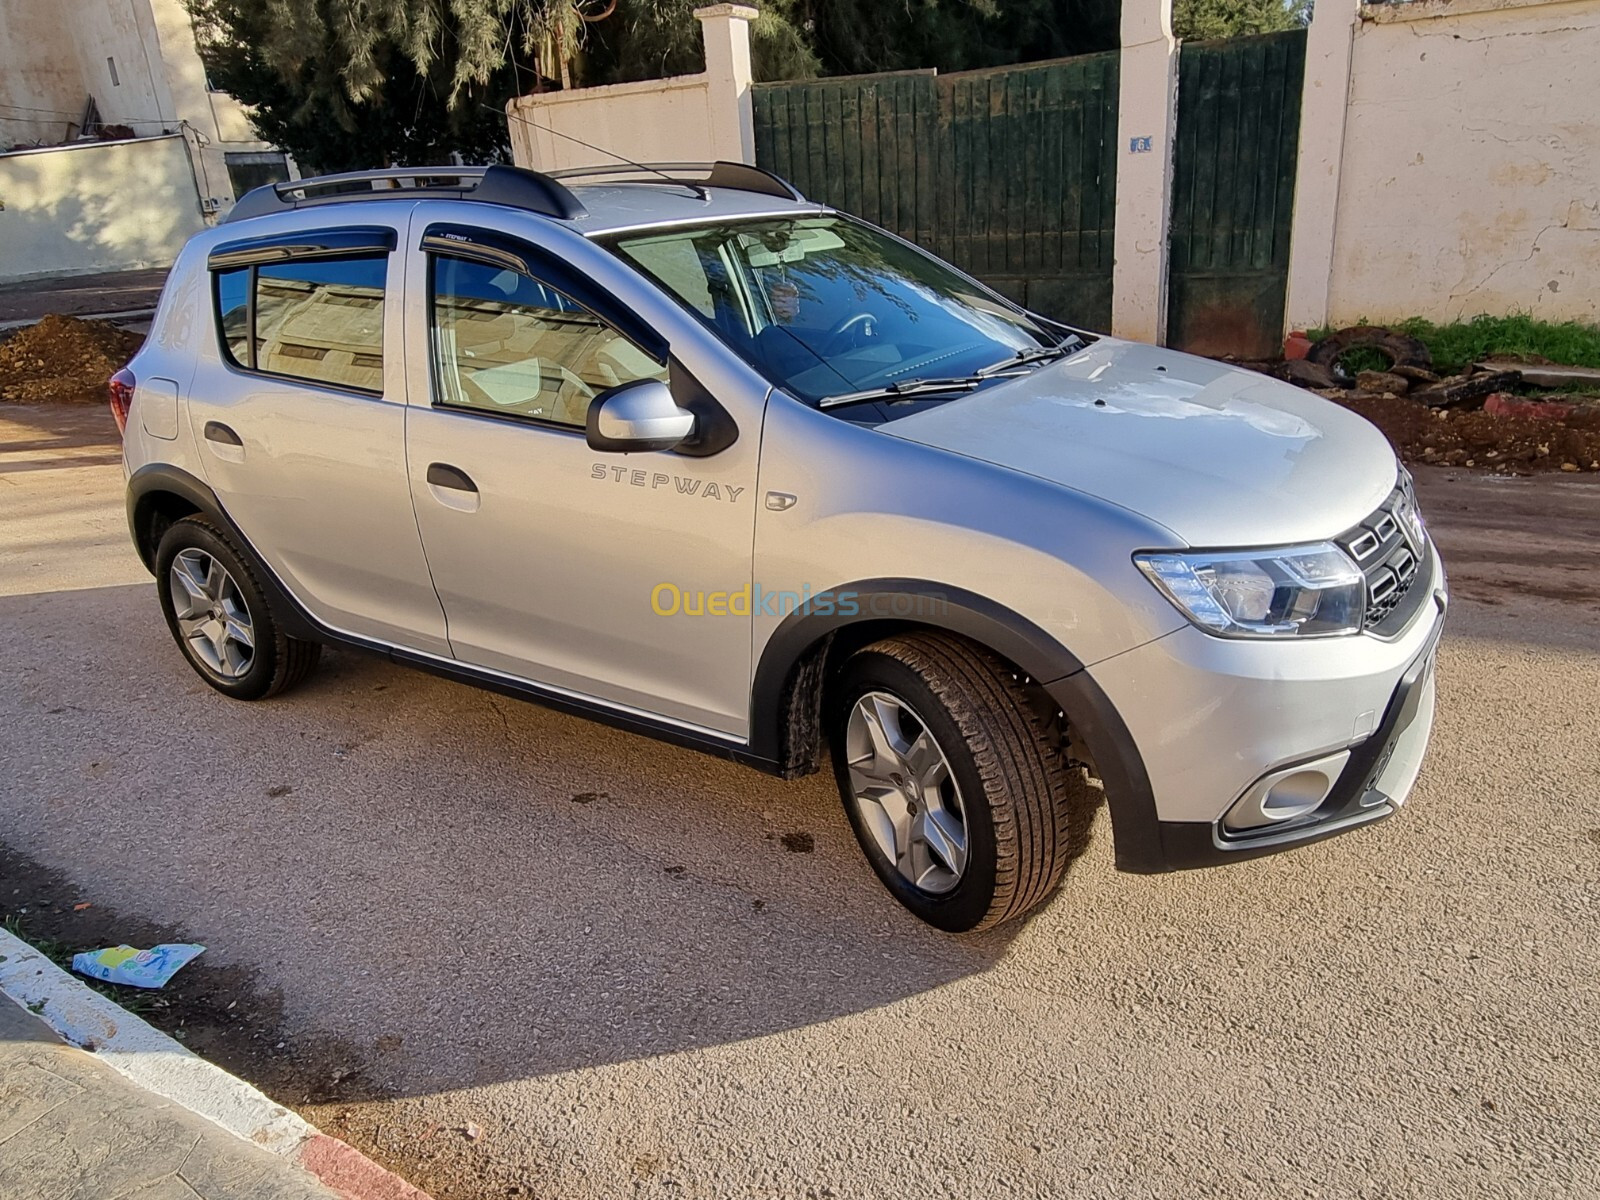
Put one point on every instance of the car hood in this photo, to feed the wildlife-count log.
(1220, 456)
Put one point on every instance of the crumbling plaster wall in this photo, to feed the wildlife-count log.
(40, 80)
(1471, 171)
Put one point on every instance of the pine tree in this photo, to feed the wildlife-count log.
(343, 84)
(393, 89)
(1208, 20)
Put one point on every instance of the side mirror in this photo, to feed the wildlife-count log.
(637, 417)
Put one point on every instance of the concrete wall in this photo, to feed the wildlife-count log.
(115, 32)
(649, 122)
(41, 91)
(71, 210)
(690, 118)
(1147, 97)
(1470, 175)
(56, 53)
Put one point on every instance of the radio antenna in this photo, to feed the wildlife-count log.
(645, 167)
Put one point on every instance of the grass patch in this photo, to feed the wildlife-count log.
(1363, 358)
(1454, 346)
(135, 1000)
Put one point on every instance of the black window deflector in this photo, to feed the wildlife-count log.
(464, 241)
(317, 243)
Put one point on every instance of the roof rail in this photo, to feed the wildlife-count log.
(515, 187)
(740, 177)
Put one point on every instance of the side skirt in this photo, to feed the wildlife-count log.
(298, 623)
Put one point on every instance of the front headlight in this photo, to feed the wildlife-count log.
(1299, 591)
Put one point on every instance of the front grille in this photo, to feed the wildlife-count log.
(1389, 547)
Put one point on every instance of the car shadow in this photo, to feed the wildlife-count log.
(451, 887)
(57, 427)
(441, 887)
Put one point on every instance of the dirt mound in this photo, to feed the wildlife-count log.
(1510, 443)
(63, 360)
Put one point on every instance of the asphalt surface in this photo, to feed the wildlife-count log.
(111, 291)
(603, 957)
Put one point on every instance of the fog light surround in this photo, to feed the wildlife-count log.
(1284, 796)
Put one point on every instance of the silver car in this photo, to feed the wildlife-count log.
(675, 449)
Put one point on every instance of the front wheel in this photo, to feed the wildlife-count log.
(220, 617)
(954, 789)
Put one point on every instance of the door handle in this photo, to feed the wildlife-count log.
(217, 432)
(445, 476)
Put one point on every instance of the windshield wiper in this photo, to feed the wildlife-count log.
(1023, 358)
(908, 387)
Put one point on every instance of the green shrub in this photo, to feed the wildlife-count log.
(1455, 346)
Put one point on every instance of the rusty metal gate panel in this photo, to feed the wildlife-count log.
(1233, 193)
(1009, 173)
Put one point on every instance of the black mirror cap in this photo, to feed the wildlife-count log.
(714, 427)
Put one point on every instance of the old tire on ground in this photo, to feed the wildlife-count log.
(220, 617)
(955, 791)
(1403, 352)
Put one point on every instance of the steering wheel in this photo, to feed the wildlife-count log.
(850, 330)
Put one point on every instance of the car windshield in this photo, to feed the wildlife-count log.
(826, 306)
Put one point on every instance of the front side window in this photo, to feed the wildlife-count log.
(507, 344)
(319, 320)
(825, 306)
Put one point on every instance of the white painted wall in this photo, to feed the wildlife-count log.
(1470, 174)
(55, 54)
(70, 210)
(1323, 101)
(41, 91)
(689, 118)
(1146, 124)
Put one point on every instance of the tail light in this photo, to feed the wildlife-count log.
(121, 388)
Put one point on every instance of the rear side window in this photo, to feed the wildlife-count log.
(320, 320)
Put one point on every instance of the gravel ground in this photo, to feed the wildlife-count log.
(579, 964)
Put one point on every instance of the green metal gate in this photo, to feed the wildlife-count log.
(1009, 173)
(1233, 193)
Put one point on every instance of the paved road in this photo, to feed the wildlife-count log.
(113, 291)
(601, 952)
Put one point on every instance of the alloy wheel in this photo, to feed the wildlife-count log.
(905, 793)
(211, 613)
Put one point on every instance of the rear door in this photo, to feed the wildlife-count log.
(613, 577)
(299, 409)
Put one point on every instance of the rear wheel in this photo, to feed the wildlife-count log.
(955, 791)
(220, 617)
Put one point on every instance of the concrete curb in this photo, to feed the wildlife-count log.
(157, 1063)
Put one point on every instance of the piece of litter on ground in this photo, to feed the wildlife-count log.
(137, 968)
(472, 1131)
(81, 907)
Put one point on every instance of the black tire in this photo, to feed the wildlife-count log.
(1013, 780)
(1407, 355)
(276, 662)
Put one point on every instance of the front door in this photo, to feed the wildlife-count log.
(610, 576)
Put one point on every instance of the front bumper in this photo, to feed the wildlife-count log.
(1197, 722)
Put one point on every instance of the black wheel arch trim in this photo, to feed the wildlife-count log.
(788, 662)
(150, 482)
